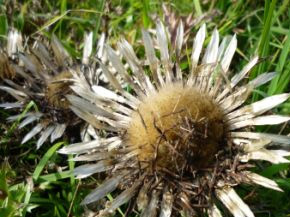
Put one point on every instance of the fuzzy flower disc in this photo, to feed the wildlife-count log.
(178, 127)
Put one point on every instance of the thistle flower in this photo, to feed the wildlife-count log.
(179, 141)
(43, 76)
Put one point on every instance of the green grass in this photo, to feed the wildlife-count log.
(36, 182)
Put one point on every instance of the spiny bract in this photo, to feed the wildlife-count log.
(179, 140)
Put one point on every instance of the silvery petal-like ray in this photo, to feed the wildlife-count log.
(20, 96)
(85, 136)
(178, 47)
(263, 181)
(197, 46)
(10, 105)
(44, 135)
(86, 94)
(105, 188)
(236, 99)
(117, 64)
(239, 76)
(143, 197)
(151, 57)
(92, 120)
(213, 211)
(14, 42)
(229, 53)
(121, 124)
(128, 52)
(261, 120)
(256, 145)
(211, 52)
(239, 119)
(253, 135)
(262, 79)
(43, 54)
(101, 95)
(33, 132)
(128, 155)
(222, 47)
(123, 198)
(244, 91)
(89, 107)
(282, 153)
(92, 97)
(61, 55)
(18, 87)
(88, 169)
(88, 133)
(151, 209)
(130, 56)
(231, 205)
(113, 81)
(29, 119)
(79, 148)
(148, 44)
(58, 132)
(166, 204)
(31, 66)
(240, 203)
(17, 117)
(233, 202)
(83, 147)
(162, 42)
(20, 71)
(117, 85)
(179, 38)
(261, 106)
(100, 47)
(108, 94)
(264, 154)
(91, 157)
(88, 47)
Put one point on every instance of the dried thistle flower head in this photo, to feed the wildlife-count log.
(43, 76)
(180, 140)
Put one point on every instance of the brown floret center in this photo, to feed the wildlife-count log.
(178, 128)
(56, 90)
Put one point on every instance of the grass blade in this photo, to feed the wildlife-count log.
(281, 81)
(45, 159)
